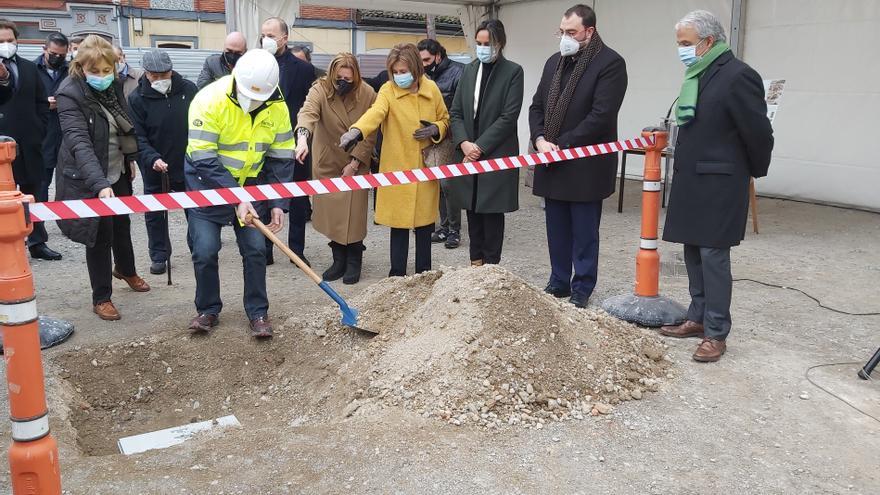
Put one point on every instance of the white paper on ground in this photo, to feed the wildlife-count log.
(170, 436)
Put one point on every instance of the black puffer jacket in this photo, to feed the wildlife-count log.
(162, 125)
(83, 159)
(446, 76)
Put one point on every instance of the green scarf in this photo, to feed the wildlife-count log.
(690, 88)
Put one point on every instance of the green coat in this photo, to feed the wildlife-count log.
(495, 134)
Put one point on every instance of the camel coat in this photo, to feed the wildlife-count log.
(398, 112)
(342, 217)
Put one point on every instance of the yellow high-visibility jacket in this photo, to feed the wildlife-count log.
(229, 147)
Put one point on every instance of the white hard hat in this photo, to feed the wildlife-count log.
(256, 74)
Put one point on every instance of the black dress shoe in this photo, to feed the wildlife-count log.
(579, 300)
(158, 267)
(557, 292)
(305, 260)
(43, 252)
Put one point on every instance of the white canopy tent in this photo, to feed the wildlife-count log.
(822, 129)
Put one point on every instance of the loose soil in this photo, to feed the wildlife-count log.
(468, 346)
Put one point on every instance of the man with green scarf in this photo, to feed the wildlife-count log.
(724, 139)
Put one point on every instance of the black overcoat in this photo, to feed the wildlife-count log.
(729, 140)
(495, 134)
(24, 118)
(591, 118)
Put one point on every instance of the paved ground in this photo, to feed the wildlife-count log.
(752, 422)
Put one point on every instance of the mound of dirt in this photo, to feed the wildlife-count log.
(470, 346)
(480, 346)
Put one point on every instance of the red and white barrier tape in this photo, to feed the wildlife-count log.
(124, 205)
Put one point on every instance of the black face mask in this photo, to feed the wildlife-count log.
(343, 87)
(55, 61)
(230, 58)
(430, 68)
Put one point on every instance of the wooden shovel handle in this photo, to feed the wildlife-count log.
(283, 247)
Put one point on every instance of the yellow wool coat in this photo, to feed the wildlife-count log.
(398, 112)
(342, 216)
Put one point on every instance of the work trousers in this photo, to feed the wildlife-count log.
(573, 240)
(710, 284)
(205, 236)
(450, 217)
(112, 243)
(486, 236)
(158, 242)
(400, 250)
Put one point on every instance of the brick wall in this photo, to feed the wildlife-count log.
(210, 6)
(324, 13)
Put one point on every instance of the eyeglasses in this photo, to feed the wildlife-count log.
(560, 33)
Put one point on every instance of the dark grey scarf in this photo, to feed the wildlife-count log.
(557, 104)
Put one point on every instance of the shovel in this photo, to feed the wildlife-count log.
(349, 314)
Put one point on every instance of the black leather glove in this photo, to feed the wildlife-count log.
(427, 132)
(350, 139)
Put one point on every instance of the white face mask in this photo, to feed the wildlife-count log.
(120, 67)
(162, 86)
(568, 46)
(247, 104)
(71, 56)
(7, 49)
(270, 45)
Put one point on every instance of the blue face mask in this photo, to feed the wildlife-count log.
(485, 54)
(688, 54)
(404, 80)
(100, 83)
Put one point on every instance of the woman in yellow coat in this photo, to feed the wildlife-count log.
(412, 115)
(333, 104)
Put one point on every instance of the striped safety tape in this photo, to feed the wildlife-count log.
(124, 205)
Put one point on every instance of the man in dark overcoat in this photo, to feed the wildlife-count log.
(577, 102)
(724, 139)
(24, 118)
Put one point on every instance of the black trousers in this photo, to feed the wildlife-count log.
(400, 250)
(158, 241)
(710, 284)
(39, 234)
(486, 233)
(113, 243)
(300, 211)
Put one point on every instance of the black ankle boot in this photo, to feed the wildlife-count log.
(355, 255)
(337, 269)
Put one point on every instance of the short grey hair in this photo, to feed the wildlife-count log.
(705, 23)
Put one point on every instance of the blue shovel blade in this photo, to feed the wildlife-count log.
(349, 314)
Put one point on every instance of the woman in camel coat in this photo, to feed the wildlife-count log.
(334, 103)
(412, 115)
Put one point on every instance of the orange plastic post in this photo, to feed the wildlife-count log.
(7, 156)
(648, 260)
(33, 456)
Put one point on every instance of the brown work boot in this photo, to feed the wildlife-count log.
(687, 329)
(136, 283)
(261, 328)
(107, 311)
(710, 350)
(203, 323)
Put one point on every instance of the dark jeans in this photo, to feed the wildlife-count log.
(300, 211)
(39, 234)
(486, 233)
(710, 285)
(205, 236)
(573, 239)
(158, 241)
(113, 243)
(400, 250)
(450, 218)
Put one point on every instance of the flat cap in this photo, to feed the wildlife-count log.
(156, 61)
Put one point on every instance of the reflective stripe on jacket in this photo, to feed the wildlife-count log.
(219, 128)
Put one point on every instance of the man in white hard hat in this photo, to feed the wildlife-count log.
(239, 134)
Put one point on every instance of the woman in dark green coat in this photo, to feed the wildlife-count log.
(484, 114)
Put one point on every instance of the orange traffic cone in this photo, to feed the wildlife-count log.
(645, 306)
(33, 456)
